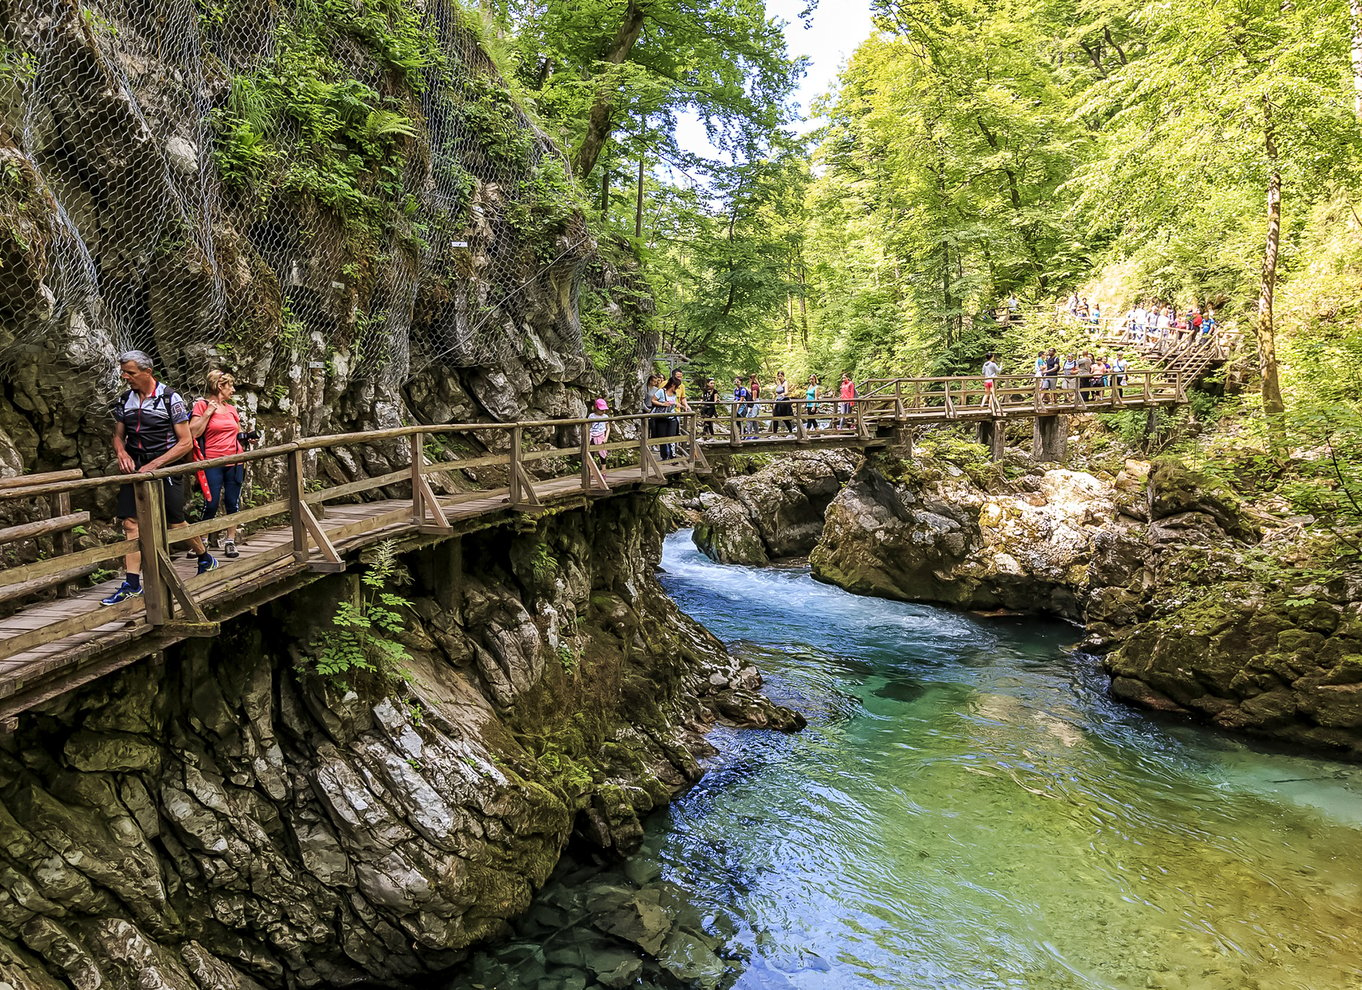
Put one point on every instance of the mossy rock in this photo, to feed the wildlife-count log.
(1175, 488)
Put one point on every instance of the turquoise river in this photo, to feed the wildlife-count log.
(969, 809)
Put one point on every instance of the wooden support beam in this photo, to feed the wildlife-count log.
(192, 616)
(151, 538)
(650, 467)
(426, 511)
(523, 496)
(331, 560)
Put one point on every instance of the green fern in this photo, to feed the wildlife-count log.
(386, 124)
(361, 640)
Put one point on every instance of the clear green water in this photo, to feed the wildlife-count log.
(968, 809)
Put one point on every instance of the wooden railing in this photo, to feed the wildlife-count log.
(515, 470)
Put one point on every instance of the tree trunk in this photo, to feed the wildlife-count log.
(1355, 20)
(605, 194)
(598, 124)
(638, 205)
(1267, 336)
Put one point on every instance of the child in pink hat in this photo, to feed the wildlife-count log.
(599, 419)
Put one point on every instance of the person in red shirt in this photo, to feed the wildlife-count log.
(847, 393)
(215, 426)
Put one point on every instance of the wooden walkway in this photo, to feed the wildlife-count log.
(49, 646)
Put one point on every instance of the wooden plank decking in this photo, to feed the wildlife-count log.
(267, 561)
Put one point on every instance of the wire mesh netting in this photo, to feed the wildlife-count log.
(219, 183)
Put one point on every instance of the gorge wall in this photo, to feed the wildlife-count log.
(225, 817)
(341, 203)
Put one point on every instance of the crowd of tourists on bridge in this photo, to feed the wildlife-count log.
(1054, 373)
(747, 406)
(1155, 324)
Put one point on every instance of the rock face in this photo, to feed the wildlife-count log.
(1253, 636)
(156, 194)
(1197, 611)
(938, 535)
(1279, 661)
(225, 817)
(775, 512)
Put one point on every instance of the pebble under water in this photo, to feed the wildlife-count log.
(967, 809)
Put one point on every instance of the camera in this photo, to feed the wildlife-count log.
(247, 439)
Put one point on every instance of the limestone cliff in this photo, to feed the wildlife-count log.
(340, 202)
(222, 818)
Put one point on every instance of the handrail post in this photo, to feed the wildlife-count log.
(516, 493)
(733, 439)
(151, 540)
(418, 460)
(63, 542)
(586, 456)
(858, 408)
(693, 441)
(296, 509)
(1147, 375)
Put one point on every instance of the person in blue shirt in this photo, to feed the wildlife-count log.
(742, 402)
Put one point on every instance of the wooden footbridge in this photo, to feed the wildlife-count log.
(454, 478)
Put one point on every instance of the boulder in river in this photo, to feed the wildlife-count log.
(774, 513)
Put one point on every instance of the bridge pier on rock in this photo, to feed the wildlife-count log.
(901, 441)
(993, 435)
(1050, 438)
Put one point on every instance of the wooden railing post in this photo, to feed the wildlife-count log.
(733, 439)
(586, 456)
(296, 508)
(151, 539)
(513, 473)
(418, 460)
(63, 542)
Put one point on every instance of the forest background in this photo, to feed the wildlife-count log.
(1199, 153)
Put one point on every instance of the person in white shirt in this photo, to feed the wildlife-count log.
(991, 371)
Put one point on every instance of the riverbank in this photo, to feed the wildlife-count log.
(1197, 605)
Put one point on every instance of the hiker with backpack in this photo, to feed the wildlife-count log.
(151, 431)
(215, 426)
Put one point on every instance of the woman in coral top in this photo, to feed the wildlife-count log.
(216, 427)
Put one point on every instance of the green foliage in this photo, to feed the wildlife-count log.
(302, 123)
(362, 640)
(543, 565)
(956, 450)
